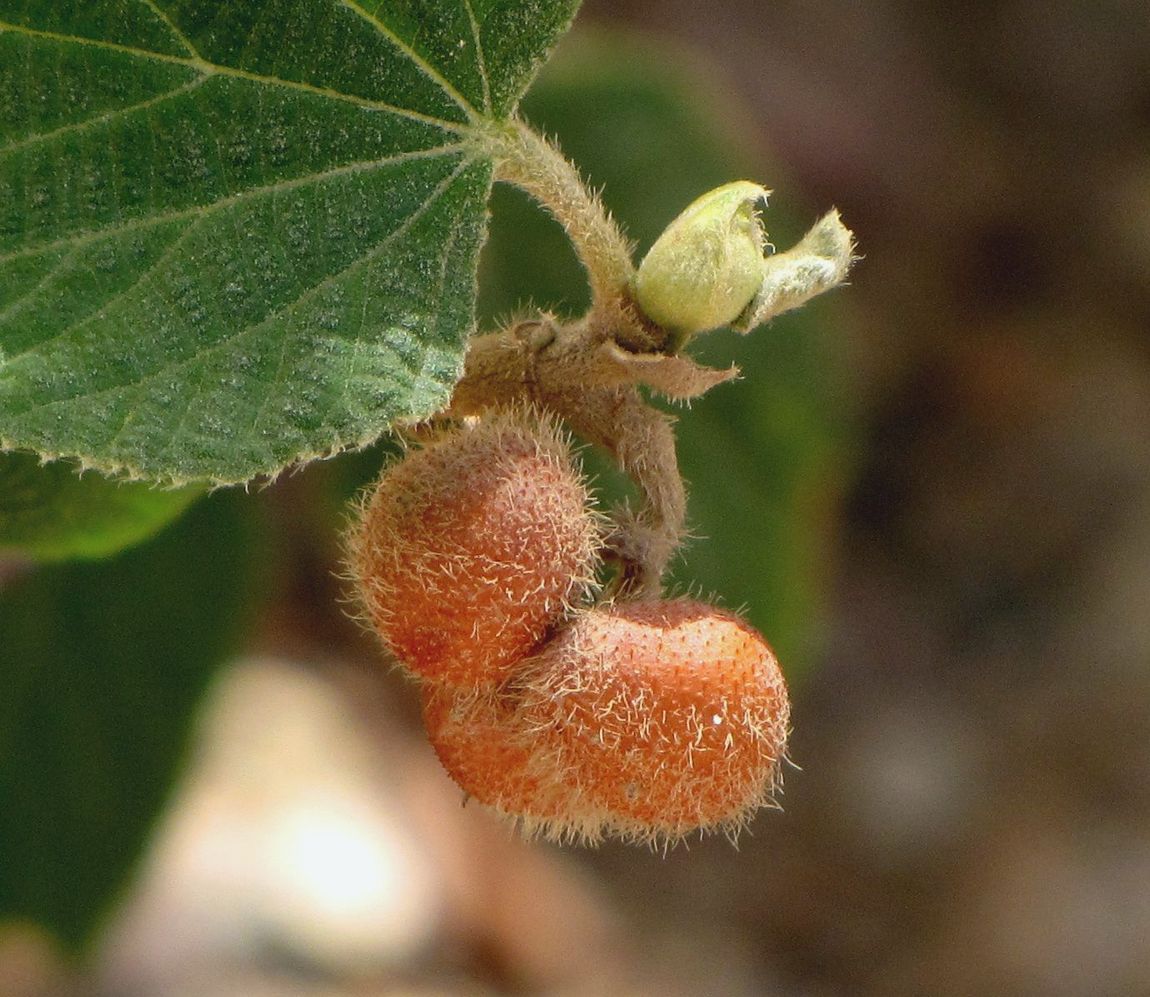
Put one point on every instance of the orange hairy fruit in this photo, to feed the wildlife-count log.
(672, 716)
(486, 745)
(473, 546)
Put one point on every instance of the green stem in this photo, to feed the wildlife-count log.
(526, 159)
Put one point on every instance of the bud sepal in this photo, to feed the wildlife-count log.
(820, 261)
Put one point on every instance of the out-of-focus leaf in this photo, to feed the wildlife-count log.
(50, 512)
(764, 456)
(101, 667)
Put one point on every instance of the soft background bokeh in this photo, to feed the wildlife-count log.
(931, 491)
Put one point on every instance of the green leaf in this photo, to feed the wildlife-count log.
(102, 667)
(52, 513)
(765, 457)
(235, 236)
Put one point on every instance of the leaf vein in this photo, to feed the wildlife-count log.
(416, 59)
(183, 39)
(112, 115)
(18, 302)
(232, 341)
(212, 67)
(397, 233)
(480, 61)
(102, 307)
(357, 349)
(97, 235)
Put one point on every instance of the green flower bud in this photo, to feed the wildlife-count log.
(707, 266)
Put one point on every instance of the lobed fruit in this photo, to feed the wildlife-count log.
(470, 549)
(487, 746)
(646, 720)
(671, 716)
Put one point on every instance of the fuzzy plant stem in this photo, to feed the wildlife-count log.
(529, 161)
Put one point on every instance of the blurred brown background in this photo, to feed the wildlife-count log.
(974, 814)
(973, 810)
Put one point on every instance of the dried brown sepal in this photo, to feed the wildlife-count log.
(582, 375)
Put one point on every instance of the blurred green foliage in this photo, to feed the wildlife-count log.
(103, 665)
(50, 512)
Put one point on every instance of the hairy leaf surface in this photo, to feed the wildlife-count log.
(234, 236)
